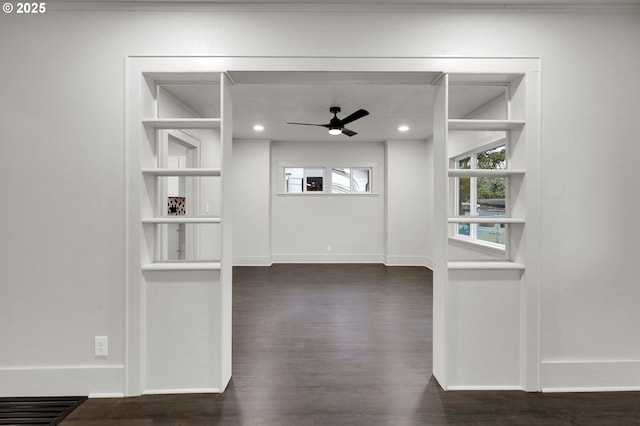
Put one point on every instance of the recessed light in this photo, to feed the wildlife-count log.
(258, 127)
(403, 128)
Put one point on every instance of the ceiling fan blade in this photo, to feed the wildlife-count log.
(348, 132)
(353, 117)
(309, 124)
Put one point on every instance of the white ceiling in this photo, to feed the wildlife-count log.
(439, 3)
(273, 99)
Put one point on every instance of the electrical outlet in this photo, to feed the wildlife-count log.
(101, 345)
(328, 247)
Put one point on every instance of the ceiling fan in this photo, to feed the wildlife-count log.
(336, 125)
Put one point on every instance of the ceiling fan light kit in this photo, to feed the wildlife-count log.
(336, 125)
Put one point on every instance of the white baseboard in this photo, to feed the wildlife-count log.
(327, 258)
(485, 388)
(333, 258)
(106, 395)
(393, 260)
(252, 261)
(62, 380)
(180, 391)
(590, 376)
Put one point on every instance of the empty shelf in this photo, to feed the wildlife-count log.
(485, 219)
(181, 219)
(484, 172)
(484, 125)
(485, 265)
(182, 123)
(183, 172)
(181, 266)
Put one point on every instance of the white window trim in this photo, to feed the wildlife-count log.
(472, 239)
(327, 178)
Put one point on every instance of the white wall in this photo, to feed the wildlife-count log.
(62, 121)
(303, 225)
(252, 206)
(408, 205)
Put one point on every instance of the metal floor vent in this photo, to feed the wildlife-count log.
(37, 410)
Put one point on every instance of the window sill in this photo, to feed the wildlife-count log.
(328, 194)
(479, 244)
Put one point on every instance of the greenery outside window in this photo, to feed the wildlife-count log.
(482, 196)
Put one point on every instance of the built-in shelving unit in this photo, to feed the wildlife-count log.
(189, 126)
(179, 217)
(486, 292)
(512, 122)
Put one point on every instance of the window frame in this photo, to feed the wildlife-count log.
(305, 176)
(352, 181)
(473, 194)
(327, 179)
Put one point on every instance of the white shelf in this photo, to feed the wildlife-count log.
(183, 172)
(484, 172)
(462, 124)
(485, 265)
(182, 123)
(182, 266)
(181, 219)
(485, 219)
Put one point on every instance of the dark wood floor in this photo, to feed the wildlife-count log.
(345, 345)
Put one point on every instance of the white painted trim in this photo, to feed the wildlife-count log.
(590, 376)
(106, 395)
(484, 125)
(395, 260)
(426, 6)
(484, 172)
(493, 265)
(203, 67)
(61, 380)
(485, 388)
(182, 266)
(252, 261)
(182, 172)
(593, 389)
(327, 258)
(180, 391)
(181, 123)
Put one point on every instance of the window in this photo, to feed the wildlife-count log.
(336, 180)
(482, 196)
(350, 180)
(301, 179)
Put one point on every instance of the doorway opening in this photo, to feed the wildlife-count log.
(261, 231)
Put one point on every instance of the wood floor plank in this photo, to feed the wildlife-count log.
(345, 345)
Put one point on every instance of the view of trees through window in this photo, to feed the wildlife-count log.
(482, 196)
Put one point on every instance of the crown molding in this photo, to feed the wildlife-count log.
(353, 6)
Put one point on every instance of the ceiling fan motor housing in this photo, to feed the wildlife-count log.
(335, 124)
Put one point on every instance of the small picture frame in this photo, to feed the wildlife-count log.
(176, 206)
